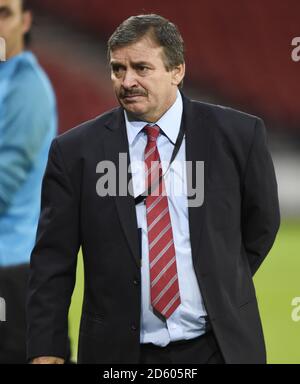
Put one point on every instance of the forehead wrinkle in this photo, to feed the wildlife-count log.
(132, 63)
(139, 49)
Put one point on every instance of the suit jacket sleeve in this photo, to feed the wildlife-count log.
(53, 262)
(260, 207)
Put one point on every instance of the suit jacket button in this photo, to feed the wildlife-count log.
(136, 282)
(133, 327)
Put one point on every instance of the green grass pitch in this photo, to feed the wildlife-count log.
(277, 283)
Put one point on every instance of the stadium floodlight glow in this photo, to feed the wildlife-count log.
(2, 49)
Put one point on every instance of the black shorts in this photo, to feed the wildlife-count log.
(13, 289)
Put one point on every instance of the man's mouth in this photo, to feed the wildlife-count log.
(131, 95)
(131, 98)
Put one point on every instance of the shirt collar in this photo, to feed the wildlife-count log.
(7, 66)
(169, 122)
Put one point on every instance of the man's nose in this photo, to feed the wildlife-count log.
(129, 79)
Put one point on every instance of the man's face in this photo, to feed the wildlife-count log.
(14, 23)
(141, 81)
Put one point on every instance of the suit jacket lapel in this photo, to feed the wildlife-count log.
(117, 143)
(198, 131)
(198, 142)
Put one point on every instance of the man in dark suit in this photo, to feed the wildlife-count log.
(168, 276)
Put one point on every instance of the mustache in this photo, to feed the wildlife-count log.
(132, 92)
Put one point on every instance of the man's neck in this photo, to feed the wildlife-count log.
(15, 52)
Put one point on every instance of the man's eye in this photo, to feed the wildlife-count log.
(117, 70)
(5, 13)
(142, 69)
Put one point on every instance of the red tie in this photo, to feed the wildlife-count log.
(165, 297)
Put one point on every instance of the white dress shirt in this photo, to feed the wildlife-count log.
(188, 320)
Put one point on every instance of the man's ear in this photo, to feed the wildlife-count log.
(27, 21)
(178, 74)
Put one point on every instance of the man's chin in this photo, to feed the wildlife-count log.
(134, 109)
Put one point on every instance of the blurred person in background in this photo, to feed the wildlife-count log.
(28, 124)
(166, 281)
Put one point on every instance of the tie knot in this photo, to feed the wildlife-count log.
(152, 132)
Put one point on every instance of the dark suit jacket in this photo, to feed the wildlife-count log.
(231, 234)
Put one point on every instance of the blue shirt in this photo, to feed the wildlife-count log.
(28, 124)
(188, 320)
